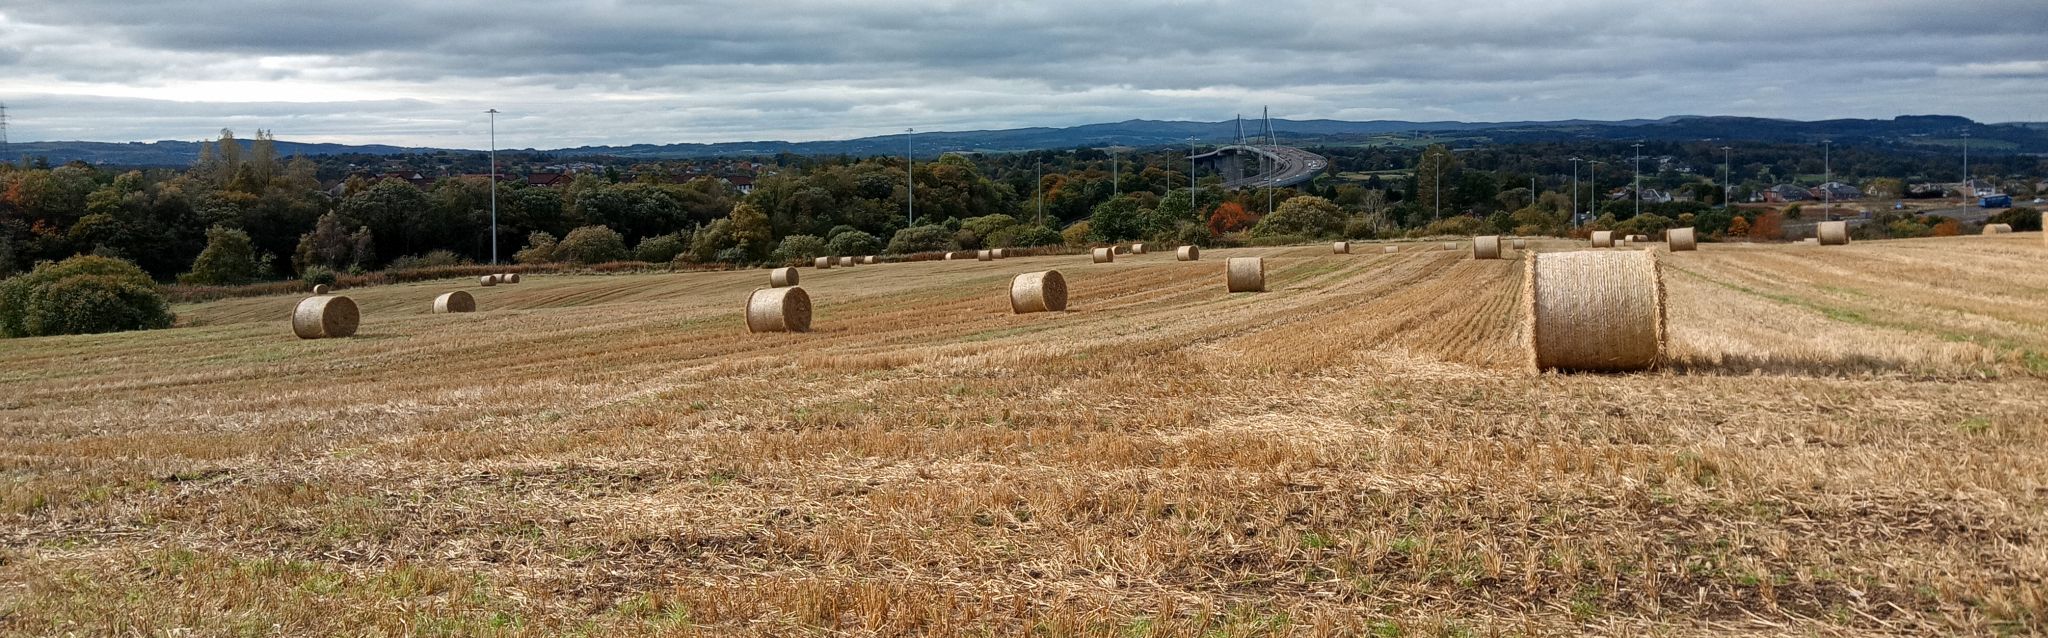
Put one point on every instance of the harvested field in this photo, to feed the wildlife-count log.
(1841, 442)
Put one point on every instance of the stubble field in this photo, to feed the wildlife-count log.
(1843, 441)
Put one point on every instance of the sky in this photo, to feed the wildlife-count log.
(569, 73)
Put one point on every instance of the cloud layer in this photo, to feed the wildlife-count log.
(569, 73)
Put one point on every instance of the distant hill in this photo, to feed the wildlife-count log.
(1929, 131)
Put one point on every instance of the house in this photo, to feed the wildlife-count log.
(1783, 193)
(741, 183)
(549, 180)
(1836, 191)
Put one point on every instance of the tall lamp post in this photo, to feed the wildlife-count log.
(1727, 203)
(1968, 190)
(1827, 179)
(1638, 162)
(494, 185)
(910, 178)
(1574, 208)
(1191, 176)
(1437, 182)
(1592, 185)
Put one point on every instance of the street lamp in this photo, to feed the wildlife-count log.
(1191, 176)
(1038, 190)
(910, 178)
(494, 185)
(1726, 203)
(1592, 185)
(1639, 177)
(1827, 180)
(1968, 191)
(1575, 192)
(1437, 182)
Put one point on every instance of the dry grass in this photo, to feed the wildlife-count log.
(1844, 442)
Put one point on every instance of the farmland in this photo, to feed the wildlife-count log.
(1843, 441)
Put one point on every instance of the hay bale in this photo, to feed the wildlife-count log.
(846, 262)
(1000, 253)
(1833, 233)
(1391, 249)
(1603, 239)
(1104, 255)
(1138, 249)
(782, 277)
(1450, 245)
(487, 280)
(508, 278)
(1245, 274)
(325, 317)
(984, 255)
(1810, 241)
(457, 301)
(1486, 247)
(779, 310)
(1681, 239)
(822, 263)
(1038, 292)
(949, 256)
(1594, 311)
(870, 260)
(1638, 239)
(1520, 243)
(1340, 248)
(320, 289)
(1997, 229)
(1188, 253)
(1621, 243)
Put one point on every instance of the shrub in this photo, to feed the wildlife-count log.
(1186, 233)
(660, 248)
(228, 260)
(1907, 228)
(1033, 235)
(1361, 228)
(1229, 218)
(854, 243)
(433, 259)
(799, 248)
(591, 245)
(81, 295)
(316, 275)
(1307, 216)
(1117, 220)
(2023, 219)
(1078, 235)
(836, 230)
(987, 225)
(1948, 228)
(1280, 240)
(1453, 225)
(540, 249)
(921, 239)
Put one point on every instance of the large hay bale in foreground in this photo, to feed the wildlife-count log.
(1188, 253)
(1681, 239)
(1104, 255)
(1340, 248)
(822, 263)
(508, 278)
(1520, 243)
(1594, 311)
(325, 317)
(783, 277)
(320, 289)
(1997, 229)
(1833, 233)
(487, 280)
(1603, 239)
(984, 255)
(1245, 274)
(1038, 292)
(457, 301)
(779, 310)
(1138, 249)
(1486, 247)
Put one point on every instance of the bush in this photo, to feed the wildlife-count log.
(1229, 218)
(1281, 240)
(854, 243)
(660, 248)
(1078, 235)
(799, 248)
(1307, 216)
(228, 260)
(316, 275)
(836, 230)
(433, 259)
(540, 249)
(1907, 229)
(1361, 228)
(1028, 236)
(921, 239)
(1454, 225)
(591, 245)
(2023, 219)
(1186, 233)
(81, 295)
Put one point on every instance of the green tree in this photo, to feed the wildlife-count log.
(661, 249)
(85, 294)
(228, 260)
(1434, 174)
(855, 243)
(540, 249)
(1117, 220)
(591, 245)
(921, 239)
(800, 249)
(1306, 216)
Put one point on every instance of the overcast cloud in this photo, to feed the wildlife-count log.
(569, 73)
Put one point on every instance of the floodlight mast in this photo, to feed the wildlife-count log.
(494, 185)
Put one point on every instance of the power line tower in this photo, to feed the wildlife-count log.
(3, 134)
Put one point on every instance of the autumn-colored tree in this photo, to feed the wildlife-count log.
(1948, 228)
(1738, 227)
(1769, 227)
(1230, 217)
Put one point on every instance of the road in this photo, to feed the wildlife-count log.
(1294, 166)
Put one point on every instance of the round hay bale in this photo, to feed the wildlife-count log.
(1833, 233)
(325, 317)
(1450, 245)
(1520, 243)
(1390, 249)
(1340, 248)
(984, 255)
(457, 301)
(949, 256)
(1104, 255)
(1638, 239)
(779, 310)
(1486, 247)
(1997, 229)
(487, 280)
(999, 253)
(1138, 249)
(782, 277)
(1681, 239)
(1810, 241)
(509, 278)
(1603, 239)
(846, 262)
(1594, 311)
(1621, 243)
(1038, 292)
(1245, 274)
(870, 260)
(320, 289)
(822, 263)
(1188, 253)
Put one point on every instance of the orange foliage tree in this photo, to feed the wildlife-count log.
(1738, 227)
(1948, 228)
(1770, 227)
(1230, 217)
